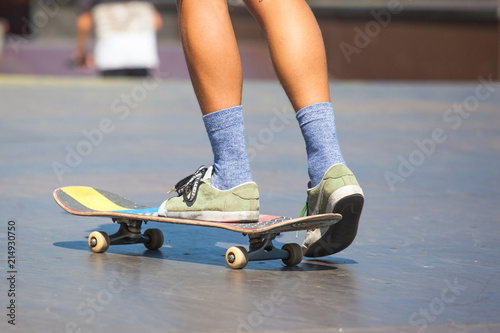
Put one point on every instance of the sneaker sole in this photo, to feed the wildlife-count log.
(217, 216)
(341, 235)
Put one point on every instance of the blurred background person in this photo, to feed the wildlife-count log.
(125, 37)
(4, 29)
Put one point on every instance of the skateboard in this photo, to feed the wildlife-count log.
(88, 201)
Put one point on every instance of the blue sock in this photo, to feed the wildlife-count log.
(317, 124)
(226, 132)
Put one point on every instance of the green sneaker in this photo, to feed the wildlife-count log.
(338, 192)
(198, 200)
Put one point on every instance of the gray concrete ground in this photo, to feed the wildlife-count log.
(425, 258)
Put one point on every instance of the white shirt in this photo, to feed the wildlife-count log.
(125, 35)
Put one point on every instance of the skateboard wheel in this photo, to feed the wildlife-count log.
(99, 241)
(237, 257)
(155, 239)
(295, 252)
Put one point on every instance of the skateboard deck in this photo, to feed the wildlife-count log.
(88, 201)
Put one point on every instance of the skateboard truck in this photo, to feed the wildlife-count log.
(129, 233)
(262, 248)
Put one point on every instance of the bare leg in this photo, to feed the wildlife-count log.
(296, 47)
(215, 68)
(211, 53)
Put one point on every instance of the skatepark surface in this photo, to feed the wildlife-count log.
(426, 257)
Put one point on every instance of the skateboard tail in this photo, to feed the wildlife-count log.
(88, 199)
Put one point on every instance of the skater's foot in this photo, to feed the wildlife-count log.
(198, 200)
(338, 192)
